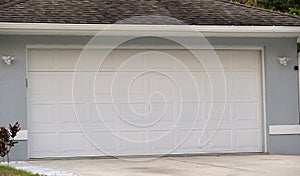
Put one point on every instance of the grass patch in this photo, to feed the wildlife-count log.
(9, 171)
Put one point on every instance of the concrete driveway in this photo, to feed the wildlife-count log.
(224, 165)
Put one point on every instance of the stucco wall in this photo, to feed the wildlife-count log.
(281, 84)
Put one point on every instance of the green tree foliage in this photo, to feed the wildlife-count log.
(248, 2)
(285, 6)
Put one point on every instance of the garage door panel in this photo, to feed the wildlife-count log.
(246, 111)
(158, 61)
(132, 84)
(160, 83)
(217, 85)
(43, 113)
(104, 85)
(40, 88)
(74, 86)
(163, 141)
(219, 111)
(243, 124)
(104, 62)
(66, 59)
(73, 142)
(245, 85)
(44, 144)
(190, 112)
(128, 60)
(40, 60)
(226, 58)
(104, 142)
(248, 140)
(186, 61)
(90, 60)
(200, 81)
(74, 113)
(214, 62)
(187, 86)
(222, 140)
(161, 113)
(246, 60)
(134, 114)
(103, 113)
(141, 112)
(134, 142)
(190, 141)
(239, 60)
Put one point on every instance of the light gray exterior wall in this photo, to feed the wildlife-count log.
(281, 84)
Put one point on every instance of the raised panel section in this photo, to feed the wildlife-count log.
(40, 60)
(248, 140)
(43, 86)
(74, 113)
(246, 60)
(221, 140)
(190, 141)
(105, 85)
(67, 59)
(186, 60)
(161, 113)
(134, 114)
(132, 84)
(104, 142)
(129, 60)
(74, 86)
(163, 142)
(73, 143)
(219, 111)
(190, 112)
(218, 85)
(246, 85)
(43, 113)
(103, 113)
(246, 111)
(162, 86)
(158, 60)
(43, 144)
(134, 142)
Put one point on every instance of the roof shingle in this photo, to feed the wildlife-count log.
(167, 12)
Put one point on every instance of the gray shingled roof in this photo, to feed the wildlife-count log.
(4, 1)
(193, 12)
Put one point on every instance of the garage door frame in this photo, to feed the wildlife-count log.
(223, 47)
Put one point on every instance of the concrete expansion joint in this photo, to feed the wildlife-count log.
(215, 165)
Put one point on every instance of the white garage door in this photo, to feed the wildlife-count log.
(145, 105)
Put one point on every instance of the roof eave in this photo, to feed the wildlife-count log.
(142, 30)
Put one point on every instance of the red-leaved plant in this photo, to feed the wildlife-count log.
(7, 139)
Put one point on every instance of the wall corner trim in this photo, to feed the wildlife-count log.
(22, 135)
(284, 129)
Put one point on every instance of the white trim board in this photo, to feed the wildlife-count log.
(284, 129)
(22, 135)
(264, 106)
(137, 47)
(147, 30)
